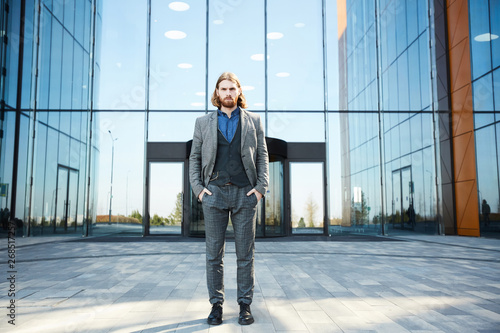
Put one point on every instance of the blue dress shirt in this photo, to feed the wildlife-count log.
(227, 125)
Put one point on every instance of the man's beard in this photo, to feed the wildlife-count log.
(229, 102)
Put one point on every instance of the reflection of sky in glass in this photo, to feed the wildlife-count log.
(178, 44)
(166, 183)
(306, 181)
(295, 66)
(128, 129)
(236, 44)
(123, 61)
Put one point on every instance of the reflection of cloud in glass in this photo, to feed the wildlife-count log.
(218, 22)
(200, 93)
(247, 88)
(487, 37)
(258, 104)
(283, 74)
(257, 57)
(184, 66)
(275, 35)
(198, 104)
(178, 6)
(175, 34)
(299, 25)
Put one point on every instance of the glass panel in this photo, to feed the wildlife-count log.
(274, 201)
(306, 192)
(480, 37)
(296, 127)
(395, 219)
(178, 56)
(172, 126)
(73, 201)
(165, 198)
(120, 139)
(55, 65)
(230, 22)
(487, 175)
(123, 56)
(295, 28)
(495, 31)
(61, 207)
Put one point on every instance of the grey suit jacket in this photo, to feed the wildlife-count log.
(253, 151)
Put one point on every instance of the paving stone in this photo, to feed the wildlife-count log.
(417, 284)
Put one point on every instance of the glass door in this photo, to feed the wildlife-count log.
(403, 214)
(270, 210)
(66, 200)
(307, 197)
(166, 183)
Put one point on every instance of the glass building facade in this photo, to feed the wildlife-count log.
(373, 123)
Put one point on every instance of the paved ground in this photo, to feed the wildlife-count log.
(414, 284)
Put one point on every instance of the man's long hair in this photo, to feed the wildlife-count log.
(242, 102)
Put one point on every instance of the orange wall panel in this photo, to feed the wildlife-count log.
(464, 155)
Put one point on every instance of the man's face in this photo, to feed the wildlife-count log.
(228, 93)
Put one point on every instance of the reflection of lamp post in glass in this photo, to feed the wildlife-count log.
(430, 192)
(111, 187)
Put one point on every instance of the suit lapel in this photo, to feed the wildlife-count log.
(213, 126)
(244, 126)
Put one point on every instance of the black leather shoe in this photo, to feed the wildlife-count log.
(245, 317)
(215, 316)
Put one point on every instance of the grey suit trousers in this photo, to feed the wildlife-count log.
(224, 201)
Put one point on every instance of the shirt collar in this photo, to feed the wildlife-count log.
(236, 112)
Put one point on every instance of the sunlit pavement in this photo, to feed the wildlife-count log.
(415, 284)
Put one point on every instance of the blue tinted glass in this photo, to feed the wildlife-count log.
(240, 22)
(401, 26)
(44, 63)
(414, 77)
(496, 89)
(483, 93)
(69, 15)
(172, 126)
(295, 28)
(77, 76)
(296, 127)
(404, 103)
(123, 56)
(28, 55)
(487, 167)
(65, 122)
(80, 16)
(425, 71)
(178, 56)
(55, 66)
(67, 71)
(480, 37)
(333, 57)
(482, 119)
(495, 31)
(412, 20)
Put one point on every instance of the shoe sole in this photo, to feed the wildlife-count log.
(213, 322)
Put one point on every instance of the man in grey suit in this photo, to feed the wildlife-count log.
(229, 173)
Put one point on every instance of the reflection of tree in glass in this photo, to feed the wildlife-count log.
(359, 211)
(311, 210)
(135, 214)
(176, 216)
